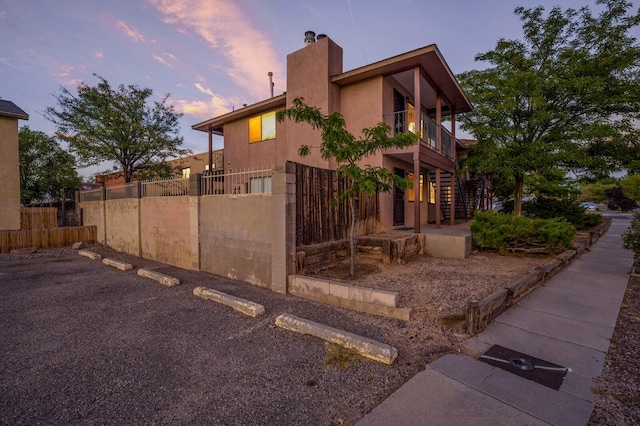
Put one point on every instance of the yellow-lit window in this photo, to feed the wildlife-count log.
(411, 194)
(432, 193)
(186, 172)
(262, 127)
(411, 117)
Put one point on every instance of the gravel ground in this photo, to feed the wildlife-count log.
(617, 391)
(84, 343)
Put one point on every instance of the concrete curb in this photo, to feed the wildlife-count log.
(123, 266)
(157, 276)
(241, 305)
(366, 347)
(91, 255)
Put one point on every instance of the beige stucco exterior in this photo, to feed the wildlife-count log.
(9, 173)
(419, 80)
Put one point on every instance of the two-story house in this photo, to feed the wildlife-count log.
(413, 91)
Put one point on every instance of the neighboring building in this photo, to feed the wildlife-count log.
(10, 113)
(197, 163)
(414, 90)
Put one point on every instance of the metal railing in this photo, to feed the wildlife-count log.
(400, 123)
(119, 192)
(92, 195)
(164, 188)
(242, 181)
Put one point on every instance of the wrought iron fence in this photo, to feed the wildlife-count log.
(242, 181)
(119, 192)
(164, 188)
(92, 195)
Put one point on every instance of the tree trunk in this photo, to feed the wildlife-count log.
(352, 238)
(517, 202)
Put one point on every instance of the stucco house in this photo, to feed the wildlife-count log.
(10, 113)
(195, 163)
(413, 91)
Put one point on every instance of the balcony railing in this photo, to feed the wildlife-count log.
(402, 122)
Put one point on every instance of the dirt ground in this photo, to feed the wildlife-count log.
(437, 291)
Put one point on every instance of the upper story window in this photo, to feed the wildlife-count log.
(262, 127)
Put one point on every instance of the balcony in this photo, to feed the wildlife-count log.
(402, 122)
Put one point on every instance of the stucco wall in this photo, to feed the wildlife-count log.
(93, 214)
(165, 230)
(123, 225)
(9, 175)
(236, 235)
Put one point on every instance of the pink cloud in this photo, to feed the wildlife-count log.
(217, 104)
(98, 54)
(132, 33)
(225, 27)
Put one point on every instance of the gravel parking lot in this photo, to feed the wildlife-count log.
(84, 343)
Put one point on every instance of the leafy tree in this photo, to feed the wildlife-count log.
(618, 199)
(101, 123)
(45, 168)
(348, 152)
(565, 96)
(596, 191)
(631, 186)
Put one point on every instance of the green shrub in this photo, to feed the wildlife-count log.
(548, 208)
(493, 231)
(631, 237)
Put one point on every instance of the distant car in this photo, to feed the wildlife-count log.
(589, 205)
(497, 206)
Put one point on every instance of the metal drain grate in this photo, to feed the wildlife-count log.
(525, 366)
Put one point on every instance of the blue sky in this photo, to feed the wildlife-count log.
(213, 55)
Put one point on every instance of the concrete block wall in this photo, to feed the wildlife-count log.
(165, 230)
(248, 237)
(236, 237)
(122, 224)
(93, 213)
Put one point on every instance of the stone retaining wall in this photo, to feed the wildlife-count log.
(479, 314)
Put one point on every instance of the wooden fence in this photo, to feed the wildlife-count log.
(46, 237)
(38, 217)
(317, 219)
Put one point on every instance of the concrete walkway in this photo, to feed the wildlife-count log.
(569, 321)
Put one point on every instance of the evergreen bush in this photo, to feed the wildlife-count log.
(549, 208)
(502, 232)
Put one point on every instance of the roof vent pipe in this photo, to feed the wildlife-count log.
(321, 36)
(270, 74)
(309, 37)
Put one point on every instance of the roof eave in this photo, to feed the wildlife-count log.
(423, 57)
(216, 123)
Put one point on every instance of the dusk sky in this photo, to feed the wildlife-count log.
(214, 55)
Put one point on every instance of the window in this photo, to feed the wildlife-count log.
(186, 172)
(432, 193)
(262, 127)
(260, 185)
(411, 194)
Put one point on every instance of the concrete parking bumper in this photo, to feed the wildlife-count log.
(364, 346)
(241, 305)
(157, 276)
(91, 255)
(123, 266)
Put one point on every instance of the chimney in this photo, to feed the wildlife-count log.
(270, 74)
(321, 36)
(309, 37)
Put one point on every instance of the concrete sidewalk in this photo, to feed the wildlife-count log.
(569, 321)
